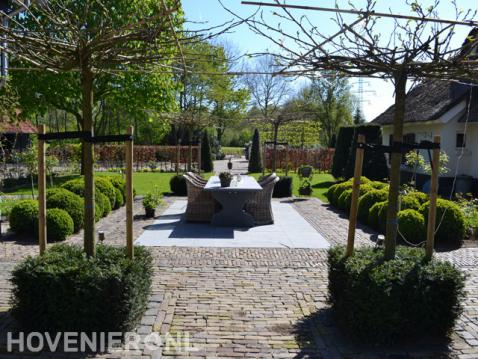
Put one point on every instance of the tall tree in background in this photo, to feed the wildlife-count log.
(268, 94)
(329, 101)
(255, 157)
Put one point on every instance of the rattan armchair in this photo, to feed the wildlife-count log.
(197, 177)
(260, 206)
(201, 204)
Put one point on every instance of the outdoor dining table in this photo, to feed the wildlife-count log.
(233, 200)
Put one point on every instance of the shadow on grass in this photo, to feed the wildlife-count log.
(325, 184)
(318, 335)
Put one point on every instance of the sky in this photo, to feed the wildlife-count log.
(378, 94)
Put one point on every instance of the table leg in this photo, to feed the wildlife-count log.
(232, 213)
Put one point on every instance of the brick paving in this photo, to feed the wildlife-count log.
(260, 302)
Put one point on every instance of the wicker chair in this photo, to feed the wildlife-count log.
(260, 206)
(197, 177)
(201, 204)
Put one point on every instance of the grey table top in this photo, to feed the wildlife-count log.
(247, 183)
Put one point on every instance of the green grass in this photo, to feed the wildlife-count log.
(233, 151)
(145, 181)
(320, 183)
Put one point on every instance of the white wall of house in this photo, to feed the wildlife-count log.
(460, 159)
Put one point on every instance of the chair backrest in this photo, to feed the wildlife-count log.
(268, 179)
(192, 181)
(269, 185)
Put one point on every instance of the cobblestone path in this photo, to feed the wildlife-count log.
(261, 303)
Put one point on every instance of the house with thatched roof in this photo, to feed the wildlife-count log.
(447, 109)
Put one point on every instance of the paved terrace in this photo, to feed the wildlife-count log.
(255, 302)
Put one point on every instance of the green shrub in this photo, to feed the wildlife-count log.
(23, 217)
(207, 164)
(379, 185)
(337, 191)
(419, 196)
(374, 162)
(59, 224)
(104, 202)
(283, 187)
(411, 226)
(177, 184)
(119, 183)
(389, 301)
(367, 200)
(342, 148)
(104, 186)
(119, 199)
(344, 200)
(64, 290)
(68, 201)
(330, 193)
(76, 186)
(99, 207)
(377, 216)
(409, 202)
(255, 157)
(449, 221)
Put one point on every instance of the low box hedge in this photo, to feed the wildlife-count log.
(283, 187)
(390, 301)
(64, 290)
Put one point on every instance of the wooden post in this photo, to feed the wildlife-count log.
(129, 194)
(433, 200)
(355, 194)
(178, 155)
(41, 192)
(264, 160)
(287, 159)
(199, 156)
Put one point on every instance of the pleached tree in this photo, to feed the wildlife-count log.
(92, 38)
(418, 46)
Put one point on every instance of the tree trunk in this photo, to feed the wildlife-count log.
(88, 162)
(395, 163)
(274, 149)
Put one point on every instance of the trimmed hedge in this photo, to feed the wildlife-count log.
(379, 185)
(283, 187)
(381, 301)
(342, 147)
(68, 201)
(374, 162)
(59, 224)
(119, 199)
(450, 220)
(177, 184)
(255, 156)
(367, 200)
(409, 202)
(64, 290)
(104, 186)
(345, 200)
(24, 216)
(104, 203)
(411, 226)
(377, 216)
(419, 196)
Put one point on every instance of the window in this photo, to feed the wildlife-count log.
(460, 140)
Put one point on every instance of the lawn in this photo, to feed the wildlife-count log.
(233, 151)
(145, 181)
(320, 183)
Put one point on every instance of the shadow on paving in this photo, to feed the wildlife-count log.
(319, 336)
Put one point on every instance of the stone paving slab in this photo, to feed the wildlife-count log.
(290, 230)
